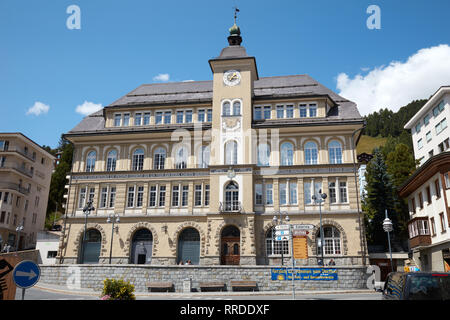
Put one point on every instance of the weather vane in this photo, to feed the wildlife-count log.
(236, 10)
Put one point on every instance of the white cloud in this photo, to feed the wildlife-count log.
(38, 108)
(188, 80)
(399, 83)
(163, 77)
(87, 108)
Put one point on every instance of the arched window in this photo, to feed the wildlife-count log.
(181, 158)
(111, 160)
(226, 109)
(236, 108)
(287, 154)
(231, 152)
(203, 157)
(142, 246)
(189, 246)
(159, 158)
(138, 160)
(311, 153)
(263, 154)
(335, 152)
(90, 161)
(331, 239)
(274, 247)
(232, 197)
(91, 246)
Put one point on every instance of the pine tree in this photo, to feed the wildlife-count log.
(378, 198)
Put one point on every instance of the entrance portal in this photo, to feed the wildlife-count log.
(141, 251)
(230, 246)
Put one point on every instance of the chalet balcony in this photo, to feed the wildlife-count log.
(230, 206)
(419, 232)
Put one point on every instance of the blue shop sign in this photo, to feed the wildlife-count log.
(322, 274)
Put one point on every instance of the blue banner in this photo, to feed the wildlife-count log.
(322, 274)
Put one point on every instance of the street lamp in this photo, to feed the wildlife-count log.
(316, 200)
(276, 221)
(86, 211)
(18, 229)
(387, 227)
(111, 219)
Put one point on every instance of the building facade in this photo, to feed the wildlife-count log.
(427, 190)
(197, 171)
(25, 174)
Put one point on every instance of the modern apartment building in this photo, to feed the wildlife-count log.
(199, 170)
(25, 174)
(428, 189)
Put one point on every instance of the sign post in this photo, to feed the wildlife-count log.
(26, 274)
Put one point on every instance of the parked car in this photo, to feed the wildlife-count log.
(417, 286)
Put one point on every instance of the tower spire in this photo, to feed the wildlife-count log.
(235, 38)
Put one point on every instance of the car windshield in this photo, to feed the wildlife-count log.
(429, 287)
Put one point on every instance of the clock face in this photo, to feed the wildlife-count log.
(232, 77)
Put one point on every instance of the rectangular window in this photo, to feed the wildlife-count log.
(52, 254)
(280, 112)
(117, 119)
(332, 192)
(82, 198)
(308, 195)
(175, 196)
(269, 194)
(91, 196)
(267, 112)
(258, 194)
(289, 111)
(446, 178)
(317, 188)
(137, 119)
(188, 116)
(162, 196)
(433, 227)
(292, 193)
(413, 205)
(441, 126)
(167, 117)
(313, 110)
(426, 119)
(303, 111)
(437, 187)
(257, 113)
(418, 126)
(428, 136)
(201, 115)
(442, 219)
(140, 196)
(158, 117)
(152, 197)
(419, 144)
(185, 195)
(130, 202)
(209, 115)
(198, 195)
(207, 195)
(2, 217)
(282, 193)
(180, 116)
(343, 192)
(112, 197)
(146, 118)
(428, 195)
(420, 200)
(126, 119)
(103, 197)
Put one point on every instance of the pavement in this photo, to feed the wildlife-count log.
(90, 292)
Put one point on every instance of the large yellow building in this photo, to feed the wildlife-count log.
(198, 170)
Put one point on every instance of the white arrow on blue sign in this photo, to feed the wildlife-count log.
(282, 232)
(26, 274)
(282, 238)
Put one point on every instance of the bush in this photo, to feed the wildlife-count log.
(117, 290)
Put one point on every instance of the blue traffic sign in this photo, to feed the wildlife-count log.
(26, 274)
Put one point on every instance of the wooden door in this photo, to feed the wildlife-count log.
(230, 254)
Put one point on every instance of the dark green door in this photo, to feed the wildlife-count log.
(92, 246)
(189, 246)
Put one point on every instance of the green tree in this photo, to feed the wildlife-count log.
(400, 165)
(378, 198)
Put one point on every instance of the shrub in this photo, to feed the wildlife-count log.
(117, 290)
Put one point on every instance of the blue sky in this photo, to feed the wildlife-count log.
(123, 44)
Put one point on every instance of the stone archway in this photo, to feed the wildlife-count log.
(188, 224)
(328, 222)
(79, 240)
(136, 227)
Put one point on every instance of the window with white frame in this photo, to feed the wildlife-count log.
(112, 197)
(332, 192)
(269, 194)
(103, 197)
(280, 112)
(175, 196)
(130, 198)
(311, 153)
(332, 241)
(117, 119)
(138, 119)
(292, 193)
(82, 198)
(185, 196)
(258, 194)
(236, 108)
(138, 160)
(441, 126)
(283, 193)
(289, 111)
(206, 199)
(274, 247)
(167, 117)
(209, 115)
(139, 196)
(180, 116)
(159, 117)
(90, 161)
(146, 118)
(257, 113)
(267, 112)
(312, 110)
(111, 160)
(303, 110)
(198, 195)
(152, 196)
(159, 159)
(343, 191)
(263, 154)
(181, 158)
(287, 154)
(162, 196)
(335, 152)
(203, 157)
(231, 152)
(226, 109)
(201, 115)
(126, 119)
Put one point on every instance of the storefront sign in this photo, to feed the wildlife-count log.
(321, 274)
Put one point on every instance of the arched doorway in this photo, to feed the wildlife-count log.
(91, 247)
(230, 246)
(142, 246)
(189, 246)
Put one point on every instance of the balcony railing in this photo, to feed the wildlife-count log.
(230, 206)
(22, 152)
(14, 186)
(21, 169)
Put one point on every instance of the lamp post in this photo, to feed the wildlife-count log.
(276, 221)
(387, 227)
(111, 219)
(323, 196)
(86, 211)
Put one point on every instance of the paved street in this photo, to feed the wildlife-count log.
(61, 293)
